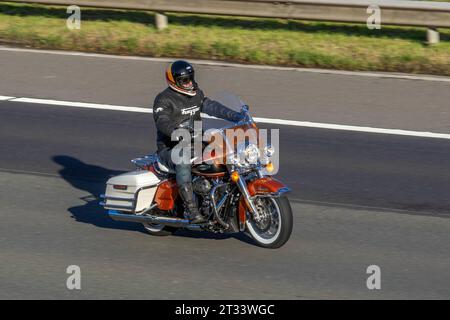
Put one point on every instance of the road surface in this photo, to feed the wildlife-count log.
(359, 199)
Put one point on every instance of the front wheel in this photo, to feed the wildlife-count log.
(275, 224)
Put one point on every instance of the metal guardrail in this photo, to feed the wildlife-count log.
(393, 12)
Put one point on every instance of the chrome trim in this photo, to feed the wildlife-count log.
(152, 206)
(248, 200)
(151, 160)
(216, 207)
(259, 173)
(136, 195)
(174, 222)
(222, 201)
(118, 207)
(145, 160)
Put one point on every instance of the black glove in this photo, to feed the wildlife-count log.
(239, 116)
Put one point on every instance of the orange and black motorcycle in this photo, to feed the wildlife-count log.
(234, 189)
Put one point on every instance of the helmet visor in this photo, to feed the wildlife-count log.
(186, 82)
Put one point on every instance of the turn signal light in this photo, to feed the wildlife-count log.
(234, 176)
(120, 187)
(269, 167)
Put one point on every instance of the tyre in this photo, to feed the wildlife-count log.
(159, 229)
(275, 227)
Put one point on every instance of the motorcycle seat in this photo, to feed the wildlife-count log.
(162, 167)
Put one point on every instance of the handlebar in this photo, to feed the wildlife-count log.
(248, 118)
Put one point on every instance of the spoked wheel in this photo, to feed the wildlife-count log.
(275, 222)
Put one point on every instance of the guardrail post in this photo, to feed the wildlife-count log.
(432, 36)
(161, 21)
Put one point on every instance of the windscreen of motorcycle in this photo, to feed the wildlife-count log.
(229, 100)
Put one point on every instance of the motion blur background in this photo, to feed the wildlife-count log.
(288, 41)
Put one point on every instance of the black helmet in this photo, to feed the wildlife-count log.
(180, 77)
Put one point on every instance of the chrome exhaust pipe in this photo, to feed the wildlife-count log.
(173, 222)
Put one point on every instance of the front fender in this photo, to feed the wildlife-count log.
(266, 186)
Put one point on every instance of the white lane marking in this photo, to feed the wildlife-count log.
(4, 98)
(83, 105)
(332, 126)
(237, 65)
(257, 119)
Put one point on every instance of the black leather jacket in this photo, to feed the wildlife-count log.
(171, 109)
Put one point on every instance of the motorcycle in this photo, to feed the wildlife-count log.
(238, 195)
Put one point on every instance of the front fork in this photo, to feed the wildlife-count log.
(242, 185)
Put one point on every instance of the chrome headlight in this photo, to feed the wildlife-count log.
(252, 153)
(269, 151)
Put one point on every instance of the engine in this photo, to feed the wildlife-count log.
(201, 186)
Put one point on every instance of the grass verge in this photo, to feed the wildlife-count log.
(245, 40)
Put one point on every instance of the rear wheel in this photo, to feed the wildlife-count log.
(274, 227)
(159, 229)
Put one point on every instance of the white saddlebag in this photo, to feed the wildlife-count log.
(131, 192)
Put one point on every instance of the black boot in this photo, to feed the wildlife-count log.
(187, 195)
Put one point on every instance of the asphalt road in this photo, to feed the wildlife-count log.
(329, 98)
(359, 199)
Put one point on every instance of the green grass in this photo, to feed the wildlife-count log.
(246, 40)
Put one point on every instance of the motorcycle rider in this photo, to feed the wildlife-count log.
(177, 106)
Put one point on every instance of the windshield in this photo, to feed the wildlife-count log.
(229, 100)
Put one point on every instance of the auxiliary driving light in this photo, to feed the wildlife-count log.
(234, 176)
(269, 151)
(269, 167)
